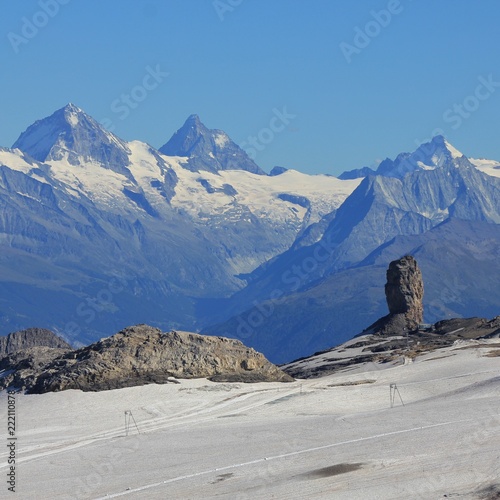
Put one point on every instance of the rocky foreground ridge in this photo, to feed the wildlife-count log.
(135, 356)
(373, 351)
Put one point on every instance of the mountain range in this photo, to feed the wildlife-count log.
(98, 233)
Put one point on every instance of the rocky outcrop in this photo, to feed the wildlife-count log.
(20, 369)
(404, 293)
(372, 350)
(31, 337)
(404, 290)
(142, 354)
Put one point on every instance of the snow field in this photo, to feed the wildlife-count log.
(308, 439)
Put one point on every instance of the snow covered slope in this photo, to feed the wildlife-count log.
(333, 437)
(490, 167)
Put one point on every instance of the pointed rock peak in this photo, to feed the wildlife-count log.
(438, 144)
(207, 149)
(71, 113)
(429, 155)
(193, 119)
(277, 171)
(72, 108)
(438, 140)
(194, 125)
(72, 134)
(436, 153)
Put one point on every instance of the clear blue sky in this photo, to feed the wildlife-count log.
(262, 55)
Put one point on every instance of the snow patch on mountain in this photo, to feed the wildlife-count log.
(489, 167)
(221, 139)
(103, 186)
(455, 153)
(15, 160)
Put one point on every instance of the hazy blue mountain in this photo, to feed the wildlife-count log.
(99, 233)
(380, 209)
(357, 173)
(208, 149)
(427, 156)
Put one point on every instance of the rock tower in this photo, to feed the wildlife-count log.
(404, 290)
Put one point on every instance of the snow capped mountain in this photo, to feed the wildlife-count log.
(428, 156)
(207, 149)
(71, 135)
(92, 208)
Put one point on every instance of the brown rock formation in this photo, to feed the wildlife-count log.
(142, 354)
(404, 290)
(21, 368)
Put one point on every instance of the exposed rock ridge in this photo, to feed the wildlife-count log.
(142, 354)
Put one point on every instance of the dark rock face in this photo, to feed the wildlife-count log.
(404, 289)
(142, 354)
(20, 369)
(277, 171)
(404, 293)
(31, 337)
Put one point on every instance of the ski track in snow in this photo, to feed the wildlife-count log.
(277, 457)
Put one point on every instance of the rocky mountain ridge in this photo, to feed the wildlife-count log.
(31, 337)
(370, 351)
(137, 355)
(206, 149)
